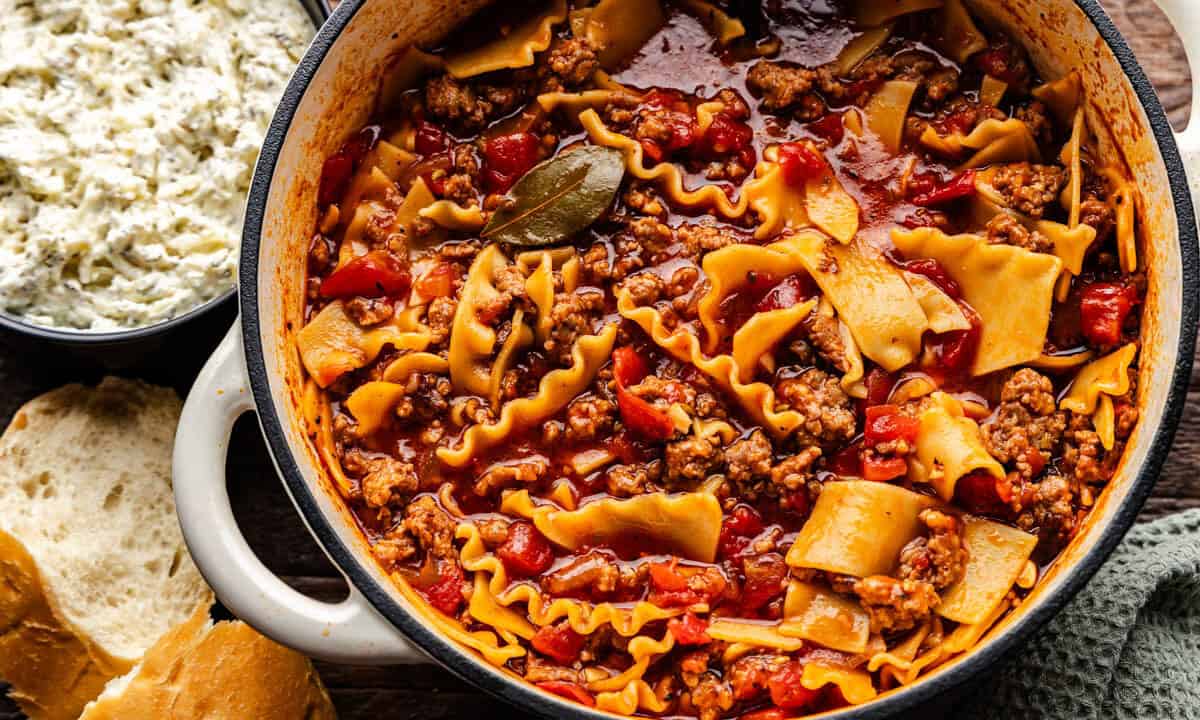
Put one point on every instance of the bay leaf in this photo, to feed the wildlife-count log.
(558, 197)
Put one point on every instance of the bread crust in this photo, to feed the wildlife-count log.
(224, 672)
(54, 671)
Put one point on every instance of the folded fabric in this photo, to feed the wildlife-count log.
(1128, 646)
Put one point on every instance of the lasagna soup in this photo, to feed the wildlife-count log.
(721, 361)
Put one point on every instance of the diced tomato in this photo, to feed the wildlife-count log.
(801, 162)
(669, 587)
(652, 150)
(737, 530)
(629, 368)
(954, 351)
(848, 461)
(726, 135)
(689, 630)
(666, 576)
(1103, 309)
(558, 642)
(568, 690)
(866, 85)
(831, 127)
(790, 291)
(446, 594)
(999, 63)
(339, 167)
(507, 158)
(430, 139)
(643, 418)
(1037, 463)
(744, 520)
(786, 690)
(335, 175)
(882, 468)
(979, 492)
(962, 121)
(437, 281)
(879, 386)
(886, 423)
(934, 270)
(767, 714)
(525, 551)
(372, 275)
(960, 187)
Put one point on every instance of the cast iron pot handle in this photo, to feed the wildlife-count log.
(1185, 17)
(347, 632)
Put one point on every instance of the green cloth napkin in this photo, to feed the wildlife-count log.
(1128, 646)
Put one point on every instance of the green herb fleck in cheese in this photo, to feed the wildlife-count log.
(128, 135)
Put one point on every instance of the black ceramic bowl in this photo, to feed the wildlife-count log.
(126, 347)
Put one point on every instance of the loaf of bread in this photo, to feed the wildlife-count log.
(227, 671)
(93, 567)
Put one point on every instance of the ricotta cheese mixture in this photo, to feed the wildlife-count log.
(128, 135)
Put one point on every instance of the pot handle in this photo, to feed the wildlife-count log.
(1185, 17)
(346, 632)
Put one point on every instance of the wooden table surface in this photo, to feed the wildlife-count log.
(276, 533)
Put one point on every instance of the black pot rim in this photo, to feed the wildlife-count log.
(467, 665)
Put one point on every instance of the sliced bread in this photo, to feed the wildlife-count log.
(93, 567)
(227, 671)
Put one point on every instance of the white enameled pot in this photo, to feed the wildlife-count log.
(257, 368)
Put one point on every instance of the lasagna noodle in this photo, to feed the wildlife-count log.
(858, 528)
(861, 47)
(1094, 387)
(886, 111)
(996, 554)
(555, 390)
(942, 313)
(753, 342)
(1063, 96)
(471, 342)
(948, 446)
(725, 28)
(514, 50)
(619, 28)
(685, 524)
(757, 399)
(332, 344)
(963, 638)
(753, 633)
(452, 216)
(584, 618)
(959, 36)
(994, 141)
(870, 295)
(1014, 324)
(1122, 194)
(575, 103)
(816, 614)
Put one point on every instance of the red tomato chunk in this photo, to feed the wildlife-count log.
(886, 423)
(960, 187)
(882, 468)
(767, 714)
(339, 167)
(437, 281)
(446, 594)
(375, 274)
(831, 127)
(786, 690)
(979, 492)
(689, 630)
(429, 139)
(507, 158)
(801, 162)
(737, 530)
(791, 291)
(558, 642)
(643, 418)
(1103, 309)
(525, 551)
(629, 368)
(568, 690)
(955, 351)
